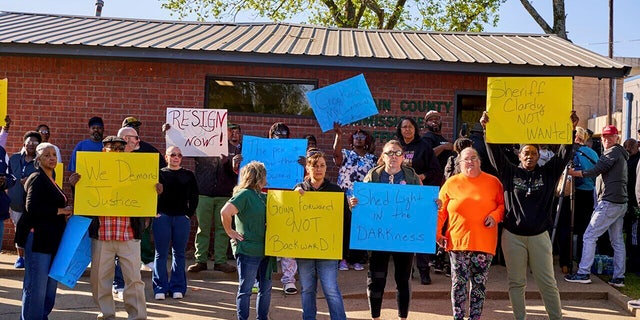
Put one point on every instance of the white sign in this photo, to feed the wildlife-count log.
(198, 132)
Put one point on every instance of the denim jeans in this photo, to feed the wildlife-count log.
(170, 231)
(118, 279)
(38, 290)
(249, 269)
(607, 216)
(310, 271)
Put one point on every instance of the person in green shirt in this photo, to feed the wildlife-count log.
(248, 207)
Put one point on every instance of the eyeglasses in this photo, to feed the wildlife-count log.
(117, 147)
(44, 131)
(468, 160)
(173, 155)
(359, 136)
(396, 153)
(135, 137)
(31, 143)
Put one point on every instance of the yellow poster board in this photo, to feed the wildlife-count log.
(304, 226)
(116, 184)
(529, 110)
(4, 89)
(59, 171)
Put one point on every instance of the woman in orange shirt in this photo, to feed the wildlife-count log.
(473, 203)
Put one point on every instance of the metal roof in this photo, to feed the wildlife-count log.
(300, 45)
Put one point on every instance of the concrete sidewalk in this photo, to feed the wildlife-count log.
(211, 295)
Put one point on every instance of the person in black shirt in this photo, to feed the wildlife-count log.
(176, 204)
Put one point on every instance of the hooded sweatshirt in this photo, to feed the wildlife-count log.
(611, 172)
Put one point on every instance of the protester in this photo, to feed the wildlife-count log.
(353, 163)
(216, 177)
(21, 165)
(312, 270)
(631, 219)
(420, 156)
(390, 170)
(472, 205)
(279, 130)
(529, 191)
(433, 136)
(608, 215)
(171, 227)
(248, 207)
(93, 143)
(39, 232)
(45, 133)
(113, 236)
(6, 180)
(453, 164)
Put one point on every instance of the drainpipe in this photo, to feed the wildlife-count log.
(629, 97)
(99, 5)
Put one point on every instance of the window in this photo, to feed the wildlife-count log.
(262, 96)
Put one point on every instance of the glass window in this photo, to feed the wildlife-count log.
(262, 96)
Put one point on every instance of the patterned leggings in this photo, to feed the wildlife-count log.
(468, 266)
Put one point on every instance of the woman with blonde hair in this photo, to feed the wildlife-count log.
(248, 207)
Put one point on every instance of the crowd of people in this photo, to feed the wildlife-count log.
(482, 186)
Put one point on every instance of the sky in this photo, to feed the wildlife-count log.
(587, 20)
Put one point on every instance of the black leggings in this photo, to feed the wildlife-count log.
(377, 279)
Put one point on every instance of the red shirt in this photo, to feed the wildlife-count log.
(115, 228)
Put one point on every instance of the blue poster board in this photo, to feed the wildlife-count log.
(74, 252)
(344, 102)
(280, 157)
(394, 217)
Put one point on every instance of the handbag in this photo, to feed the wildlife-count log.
(5, 201)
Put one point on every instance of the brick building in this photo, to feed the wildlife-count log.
(62, 70)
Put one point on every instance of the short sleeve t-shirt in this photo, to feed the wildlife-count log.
(250, 221)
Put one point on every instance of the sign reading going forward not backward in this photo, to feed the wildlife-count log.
(280, 157)
(344, 102)
(198, 132)
(394, 217)
(529, 110)
(116, 184)
(304, 226)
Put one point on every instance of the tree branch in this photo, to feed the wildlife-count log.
(395, 16)
(536, 16)
(559, 19)
(335, 12)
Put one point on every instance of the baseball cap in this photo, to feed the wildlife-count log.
(232, 125)
(609, 130)
(131, 122)
(431, 114)
(96, 121)
(113, 139)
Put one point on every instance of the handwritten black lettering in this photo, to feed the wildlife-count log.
(110, 200)
(279, 245)
(126, 173)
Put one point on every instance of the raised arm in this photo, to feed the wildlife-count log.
(337, 145)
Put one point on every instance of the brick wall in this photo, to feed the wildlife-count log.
(65, 92)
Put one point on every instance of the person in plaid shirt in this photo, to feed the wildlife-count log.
(111, 237)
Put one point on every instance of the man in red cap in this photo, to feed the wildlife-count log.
(611, 187)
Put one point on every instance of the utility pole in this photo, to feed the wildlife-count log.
(612, 106)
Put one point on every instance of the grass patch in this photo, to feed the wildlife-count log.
(631, 285)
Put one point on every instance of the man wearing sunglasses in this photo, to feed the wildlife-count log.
(45, 132)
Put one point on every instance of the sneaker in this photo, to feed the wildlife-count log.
(19, 263)
(343, 266)
(578, 278)
(634, 304)
(119, 293)
(425, 278)
(197, 267)
(290, 288)
(178, 295)
(160, 296)
(617, 282)
(358, 267)
(146, 267)
(224, 267)
(255, 287)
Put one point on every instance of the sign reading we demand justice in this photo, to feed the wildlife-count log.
(116, 184)
(304, 226)
(198, 132)
(529, 109)
(394, 217)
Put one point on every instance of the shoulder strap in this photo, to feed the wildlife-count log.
(586, 156)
